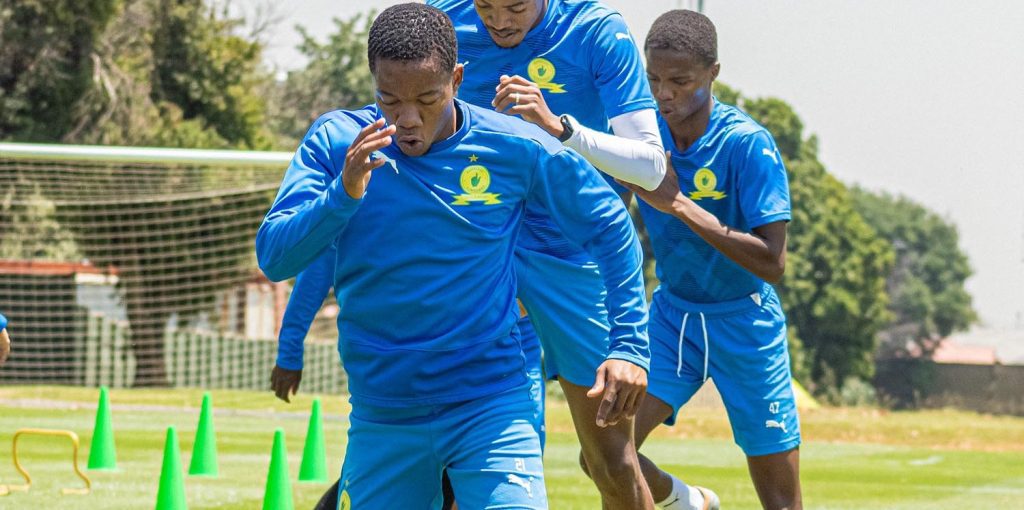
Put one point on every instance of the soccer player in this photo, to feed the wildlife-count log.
(423, 196)
(571, 68)
(5, 340)
(718, 228)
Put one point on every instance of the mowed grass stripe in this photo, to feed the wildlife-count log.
(928, 460)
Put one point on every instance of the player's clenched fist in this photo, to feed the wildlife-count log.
(516, 95)
(358, 165)
(621, 386)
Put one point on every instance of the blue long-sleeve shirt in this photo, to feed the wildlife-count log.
(3, 322)
(423, 272)
(308, 293)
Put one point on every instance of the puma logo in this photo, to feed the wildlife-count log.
(522, 482)
(772, 424)
(770, 154)
(621, 35)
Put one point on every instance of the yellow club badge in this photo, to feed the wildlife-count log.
(475, 180)
(705, 182)
(345, 501)
(542, 73)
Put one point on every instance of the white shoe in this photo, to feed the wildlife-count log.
(710, 498)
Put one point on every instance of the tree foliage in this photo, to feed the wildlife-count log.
(929, 300)
(46, 63)
(336, 76)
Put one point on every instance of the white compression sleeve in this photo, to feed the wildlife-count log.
(633, 154)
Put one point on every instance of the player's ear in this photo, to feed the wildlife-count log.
(457, 77)
(715, 69)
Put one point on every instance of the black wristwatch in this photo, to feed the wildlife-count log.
(567, 127)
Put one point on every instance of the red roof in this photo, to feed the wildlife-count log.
(42, 267)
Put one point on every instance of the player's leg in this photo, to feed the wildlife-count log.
(750, 366)
(494, 457)
(329, 501)
(609, 452)
(566, 306)
(390, 460)
(777, 479)
(447, 494)
(531, 350)
(674, 378)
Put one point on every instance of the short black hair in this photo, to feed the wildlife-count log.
(412, 32)
(686, 31)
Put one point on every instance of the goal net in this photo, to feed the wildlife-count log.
(136, 267)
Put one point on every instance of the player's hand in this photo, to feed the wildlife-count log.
(518, 96)
(5, 345)
(666, 195)
(621, 385)
(285, 382)
(358, 165)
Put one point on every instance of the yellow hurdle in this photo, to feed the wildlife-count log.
(28, 479)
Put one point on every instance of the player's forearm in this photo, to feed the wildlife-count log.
(633, 154)
(620, 258)
(751, 251)
(290, 238)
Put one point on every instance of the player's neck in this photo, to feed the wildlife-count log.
(686, 132)
(451, 125)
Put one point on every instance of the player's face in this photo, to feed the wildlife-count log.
(680, 83)
(416, 96)
(508, 21)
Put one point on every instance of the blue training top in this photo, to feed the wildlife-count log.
(734, 171)
(582, 57)
(424, 272)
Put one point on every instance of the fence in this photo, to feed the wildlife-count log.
(995, 389)
(198, 359)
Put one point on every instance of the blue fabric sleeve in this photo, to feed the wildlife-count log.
(590, 214)
(617, 68)
(3, 321)
(763, 186)
(312, 206)
(311, 287)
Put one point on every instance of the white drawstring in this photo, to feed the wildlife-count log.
(682, 335)
(682, 332)
(704, 327)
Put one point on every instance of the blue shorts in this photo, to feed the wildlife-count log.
(739, 344)
(531, 349)
(489, 447)
(565, 302)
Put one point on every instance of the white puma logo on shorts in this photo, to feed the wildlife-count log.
(773, 424)
(522, 482)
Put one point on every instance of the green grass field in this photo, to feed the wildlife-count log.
(851, 458)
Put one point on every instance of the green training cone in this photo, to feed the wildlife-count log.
(314, 455)
(171, 494)
(278, 495)
(204, 450)
(102, 454)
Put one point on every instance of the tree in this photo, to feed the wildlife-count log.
(46, 64)
(336, 76)
(33, 232)
(929, 300)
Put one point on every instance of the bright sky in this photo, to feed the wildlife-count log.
(915, 97)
